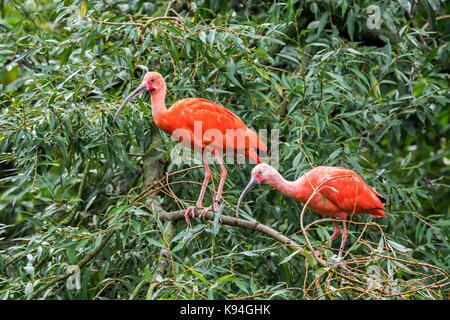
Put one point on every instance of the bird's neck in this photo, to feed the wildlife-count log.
(297, 189)
(158, 105)
(286, 187)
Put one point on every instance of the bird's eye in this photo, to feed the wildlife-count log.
(152, 80)
(260, 172)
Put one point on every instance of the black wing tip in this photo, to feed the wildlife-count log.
(383, 200)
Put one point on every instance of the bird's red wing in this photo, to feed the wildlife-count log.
(217, 125)
(347, 191)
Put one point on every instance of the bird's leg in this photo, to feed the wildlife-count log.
(344, 239)
(336, 232)
(204, 184)
(341, 248)
(337, 261)
(202, 191)
(317, 253)
(223, 176)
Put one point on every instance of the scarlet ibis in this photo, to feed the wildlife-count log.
(340, 193)
(201, 125)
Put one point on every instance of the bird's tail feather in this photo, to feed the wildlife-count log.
(378, 213)
(251, 154)
(255, 141)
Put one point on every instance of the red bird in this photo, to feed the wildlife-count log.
(340, 193)
(201, 125)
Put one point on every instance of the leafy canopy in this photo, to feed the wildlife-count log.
(340, 93)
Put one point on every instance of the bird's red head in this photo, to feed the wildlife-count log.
(261, 173)
(153, 82)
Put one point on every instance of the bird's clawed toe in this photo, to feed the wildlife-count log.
(204, 210)
(192, 210)
(189, 210)
(316, 253)
(337, 261)
(216, 205)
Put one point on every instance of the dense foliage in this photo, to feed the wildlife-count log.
(75, 189)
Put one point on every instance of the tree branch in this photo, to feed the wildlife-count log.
(162, 261)
(175, 216)
(80, 264)
(80, 193)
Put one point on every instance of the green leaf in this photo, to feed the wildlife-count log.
(197, 274)
(202, 36)
(148, 275)
(155, 243)
(29, 288)
(343, 7)
(226, 278)
(212, 35)
(71, 255)
(333, 188)
(431, 16)
(322, 22)
(231, 71)
(431, 55)
(289, 257)
(243, 285)
(311, 261)
(264, 55)
(419, 88)
(289, 57)
(323, 198)
(351, 23)
(398, 246)
(289, 12)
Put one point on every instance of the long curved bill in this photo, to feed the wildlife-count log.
(142, 88)
(253, 182)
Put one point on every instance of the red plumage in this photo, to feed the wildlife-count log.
(217, 128)
(203, 126)
(344, 193)
(335, 192)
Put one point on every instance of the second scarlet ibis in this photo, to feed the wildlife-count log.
(201, 125)
(339, 193)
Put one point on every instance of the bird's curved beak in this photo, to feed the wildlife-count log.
(142, 88)
(253, 182)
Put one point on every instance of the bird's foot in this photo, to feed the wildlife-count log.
(317, 254)
(204, 210)
(192, 211)
(216, 205)
(337, 261)
(189, 210)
